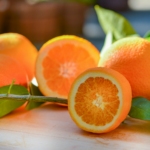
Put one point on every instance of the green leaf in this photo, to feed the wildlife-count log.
(147, 35)
(107, 42)
(34, 90)
(140, 108)
(7, 106)
(111, 21)
(147, 38)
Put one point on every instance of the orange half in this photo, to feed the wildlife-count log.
(99, 100)
(61, 60)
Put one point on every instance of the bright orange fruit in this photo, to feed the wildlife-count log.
(20, 48)
(99, 100)
(12, 70)
(60, 61)
(131, 57)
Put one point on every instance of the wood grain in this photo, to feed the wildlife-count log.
(50, 127)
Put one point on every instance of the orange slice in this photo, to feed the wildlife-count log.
(60, 61)
(99, 100)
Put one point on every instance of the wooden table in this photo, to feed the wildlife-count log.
(50, 127)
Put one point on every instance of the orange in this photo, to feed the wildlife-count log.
(99, 100)
(131, 57)
(60, 61)
(11, 70)
(20, 48)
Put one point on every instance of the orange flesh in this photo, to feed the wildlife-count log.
(61, 70)
(101, 96)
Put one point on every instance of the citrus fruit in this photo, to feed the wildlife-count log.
(20, 48)
(12, 70)
(60, 60)
(99, 100)
(131, 57)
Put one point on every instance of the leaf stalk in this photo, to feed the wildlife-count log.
(33, 98)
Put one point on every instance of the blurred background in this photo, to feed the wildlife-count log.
(41, 20)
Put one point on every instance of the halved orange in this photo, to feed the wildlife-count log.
(61, 60)
(99, 100)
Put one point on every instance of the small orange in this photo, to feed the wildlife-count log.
(99, 100)
(12, 70)
(60, 61)
(20, 48)
(131, 57)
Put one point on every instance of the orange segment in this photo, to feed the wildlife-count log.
(99, 100)
(61, 60)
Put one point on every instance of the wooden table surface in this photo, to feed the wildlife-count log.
(50, 127)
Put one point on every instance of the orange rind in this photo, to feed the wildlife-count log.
(99, 100)
(60, 61)
(131, 57)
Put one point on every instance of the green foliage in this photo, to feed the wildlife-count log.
(147, 35)
(34, 90)
(140, 108)
(107, 43)
(7, 106)
(115, 23)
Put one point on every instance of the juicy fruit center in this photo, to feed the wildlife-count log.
(62, 62)
(67, 69)
(97, 101)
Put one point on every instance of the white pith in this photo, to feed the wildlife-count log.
(68, 69)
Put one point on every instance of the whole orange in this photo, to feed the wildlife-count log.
(20, 48)
(10, 70)
(131, 57)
